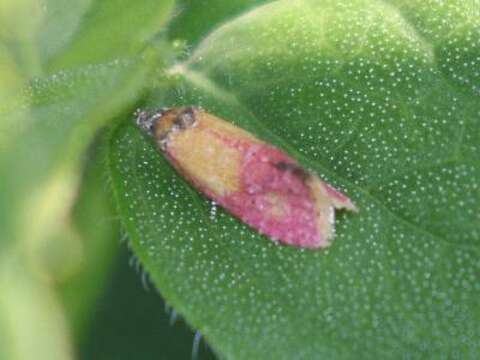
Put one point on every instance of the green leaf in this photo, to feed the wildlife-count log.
(32, 325)
(48, 125)
(113, 29)
(21, 21)
(97, 232)
(60, 24)
(43, 152)
(49, 117)
(381, 100)
(132, 309)
(44, 149)
(194, 18)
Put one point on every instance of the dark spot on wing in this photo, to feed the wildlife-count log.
(293, 168)
(186, 118)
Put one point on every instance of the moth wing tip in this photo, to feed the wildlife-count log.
(347, 205)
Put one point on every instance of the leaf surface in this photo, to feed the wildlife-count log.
(381, 99)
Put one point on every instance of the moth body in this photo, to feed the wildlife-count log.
(255, 181)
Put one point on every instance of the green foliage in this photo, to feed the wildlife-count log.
(380, 98)
(48, 120)
(359, 92)
(194, 19)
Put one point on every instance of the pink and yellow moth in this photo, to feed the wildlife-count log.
(253, 180)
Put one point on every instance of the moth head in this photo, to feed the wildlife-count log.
(159, 123)
(147, 119)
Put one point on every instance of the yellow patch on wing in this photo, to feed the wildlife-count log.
(223, 127)
(207, 159)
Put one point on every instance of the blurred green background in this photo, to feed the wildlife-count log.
(130, 322)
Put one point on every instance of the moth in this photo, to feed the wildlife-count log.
(252, 179)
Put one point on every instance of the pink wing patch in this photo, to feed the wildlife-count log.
(278, 199)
